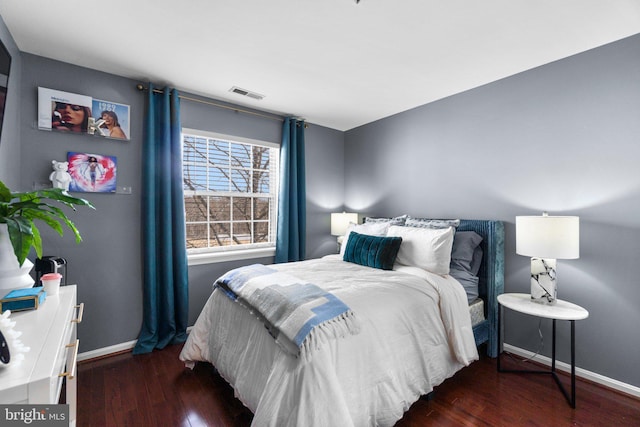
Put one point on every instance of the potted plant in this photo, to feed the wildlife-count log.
(18, 211)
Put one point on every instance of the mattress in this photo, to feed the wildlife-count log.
(476, 309)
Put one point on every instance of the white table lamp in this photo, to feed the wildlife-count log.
(340, 222)
(545, 239)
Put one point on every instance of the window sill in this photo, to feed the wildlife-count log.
(213, 257)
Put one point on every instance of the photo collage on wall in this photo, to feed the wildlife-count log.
(80, 114)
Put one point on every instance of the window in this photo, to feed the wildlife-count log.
(230, 193)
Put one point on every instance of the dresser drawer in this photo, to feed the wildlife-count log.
(50, 332)
(67, 354)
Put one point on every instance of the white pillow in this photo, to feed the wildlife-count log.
(370, 228)
(426, 248)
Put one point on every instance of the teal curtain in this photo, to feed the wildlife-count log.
(165, 280)
(292, 208)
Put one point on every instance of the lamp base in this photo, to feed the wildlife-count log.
(543, 281)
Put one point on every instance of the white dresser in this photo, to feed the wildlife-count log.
(50, 332)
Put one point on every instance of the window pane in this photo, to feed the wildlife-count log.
(195, 209)
(260, 232)
(242, 208)
(220, 235)
(242, 233)
(194, 177)
(261, 208)
(241, 180)
(219, 153)
(260, 157)
(196, 236)
(240, 155)
(194, 149)
(218, 179)
(261, 182)
(220, 208)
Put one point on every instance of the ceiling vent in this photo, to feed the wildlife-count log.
(245, 92)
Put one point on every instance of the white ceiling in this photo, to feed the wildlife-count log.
(334, 62)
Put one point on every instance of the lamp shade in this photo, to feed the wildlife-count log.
(550, 237)
(340, 222)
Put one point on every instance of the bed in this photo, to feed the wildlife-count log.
(413, 331)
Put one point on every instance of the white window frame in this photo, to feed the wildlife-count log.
(197, 256)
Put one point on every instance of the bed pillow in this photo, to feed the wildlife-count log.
(426, 248)
(398, 220)
(431, 223)
(372, 229)
(372, 251)
(468, 280)
(476, 262)
(465, 246)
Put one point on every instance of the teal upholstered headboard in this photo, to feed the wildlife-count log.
(491, 283)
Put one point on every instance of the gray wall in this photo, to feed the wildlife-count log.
(10, 139)
(107, 264)
(562, 138)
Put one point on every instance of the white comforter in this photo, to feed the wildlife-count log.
(415, 332)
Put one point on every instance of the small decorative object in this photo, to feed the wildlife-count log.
(11, 348)
(93, 173)
(60, 178)
(18, 231)
(547, 238)
(95, 127)
(111, 118)
(5, 354)
(51, 283)
(23, 299)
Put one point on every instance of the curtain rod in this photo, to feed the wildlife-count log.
(141, 88)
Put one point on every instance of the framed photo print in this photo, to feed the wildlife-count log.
(63, 111)
(92, 173)
(111, 119)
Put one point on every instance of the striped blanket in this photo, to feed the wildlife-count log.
(299, 315)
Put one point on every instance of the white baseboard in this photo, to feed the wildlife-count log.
(582, 373)
(105, 351)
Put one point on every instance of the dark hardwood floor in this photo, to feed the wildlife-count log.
(156, 390)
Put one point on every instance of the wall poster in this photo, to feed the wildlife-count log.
(92, 173)
(114, 117)
(71, 112)
(63, 111)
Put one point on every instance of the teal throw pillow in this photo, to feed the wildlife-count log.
(372, 251)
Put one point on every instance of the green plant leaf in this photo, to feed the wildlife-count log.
(5, 193)
(50, 218)
(61, 215)
(63, 197)
(21, 237)
(37, 240)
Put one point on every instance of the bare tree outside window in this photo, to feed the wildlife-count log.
(230, 192)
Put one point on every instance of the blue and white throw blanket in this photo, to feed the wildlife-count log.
(299, 315)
